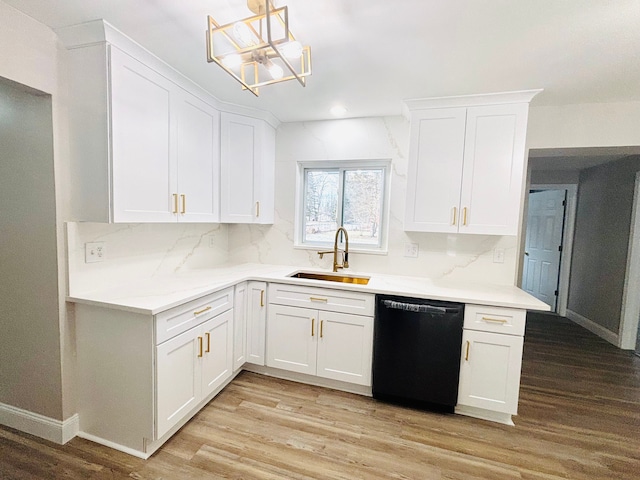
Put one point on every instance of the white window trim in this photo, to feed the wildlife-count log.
(365, 163)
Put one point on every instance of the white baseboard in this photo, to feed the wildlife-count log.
(56, 431)
(593, 327)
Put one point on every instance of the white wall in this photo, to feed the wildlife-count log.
(585, 125)
(442, 256)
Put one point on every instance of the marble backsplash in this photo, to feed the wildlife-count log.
(451, 256)
(143, 251)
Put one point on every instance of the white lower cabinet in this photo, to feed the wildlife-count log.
(492, 344)
(142, 375)
(191, 366)
(327, 344)
(239, 325)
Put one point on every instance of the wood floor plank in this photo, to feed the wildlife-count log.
(579, 419)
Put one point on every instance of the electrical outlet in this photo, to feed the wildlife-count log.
(212, 241)
(498, 255)
(95, 252)
(411, 250)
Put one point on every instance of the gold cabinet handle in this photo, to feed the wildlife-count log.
(208, 342)
(466, 353)
(262, 298)
(318, 299)
(321, 323)
(464, 216)
(175, 203)
(455, 216)
(313, 321)
(198, 312)
(257, 209)
(200, 347)
(494, 320)
(184, 204)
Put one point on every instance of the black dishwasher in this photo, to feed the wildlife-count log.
(416, 352)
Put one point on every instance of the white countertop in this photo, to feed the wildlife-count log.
(164, 292)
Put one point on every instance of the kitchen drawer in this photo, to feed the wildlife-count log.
(342, 301)
(180, 319)
(509, 321)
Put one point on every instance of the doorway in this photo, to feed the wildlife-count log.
(548, 243)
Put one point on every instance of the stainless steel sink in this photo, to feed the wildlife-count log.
(331, 277)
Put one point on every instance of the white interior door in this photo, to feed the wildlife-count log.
(543, 245)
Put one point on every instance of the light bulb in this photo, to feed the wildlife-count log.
(232, 60)
(243, 35)
(291, 49)
(275, 71)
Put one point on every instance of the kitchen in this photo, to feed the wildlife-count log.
(145, 249)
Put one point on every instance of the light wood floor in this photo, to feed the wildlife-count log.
(579, 418)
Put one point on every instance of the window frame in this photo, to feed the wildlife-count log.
(341, 165)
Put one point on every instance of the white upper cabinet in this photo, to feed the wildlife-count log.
(247, 170)
(144, 149)
(466, 163)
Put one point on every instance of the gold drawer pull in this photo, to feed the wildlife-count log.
(455, 216)
(321, 322)
(318, 299)
(200, 347)
(208, 342)
(184, 204)
(313, 321)
(466, 354)
(257, 209)
(202, 311)
(494, 320)
(262, 298)
(464, 216)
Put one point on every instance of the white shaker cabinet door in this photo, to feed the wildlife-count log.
(435, 170)
(239, 326)
(143, 166)
(247, 164)
(217, 356)
(256, 322)
(490, 371)
(345, 344)
(492, 179)
(291, 338)
(198, 157)
(179, 386)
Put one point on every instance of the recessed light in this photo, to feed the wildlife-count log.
(338, 111)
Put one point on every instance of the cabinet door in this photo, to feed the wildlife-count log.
(435, 170)
(178, 387)
(198, 156)
(345, 347)
(144, 168)
(291, 338)
(490, 371)
(256, 321)
(217, 357)
(240, 326)
(247, 164)
(493, 173)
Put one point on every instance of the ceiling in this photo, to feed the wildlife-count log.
(369, 55)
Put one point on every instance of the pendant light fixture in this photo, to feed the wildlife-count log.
(259, 50)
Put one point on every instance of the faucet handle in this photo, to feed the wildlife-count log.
(345, 259)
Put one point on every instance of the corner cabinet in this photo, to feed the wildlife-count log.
(492, 345)
(466, 163)
(247, 170)
(144, 149)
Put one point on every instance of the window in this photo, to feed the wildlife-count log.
(348, 194)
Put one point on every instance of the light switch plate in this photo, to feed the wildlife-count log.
(94, 252)
(411, 250)
(498, 255)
